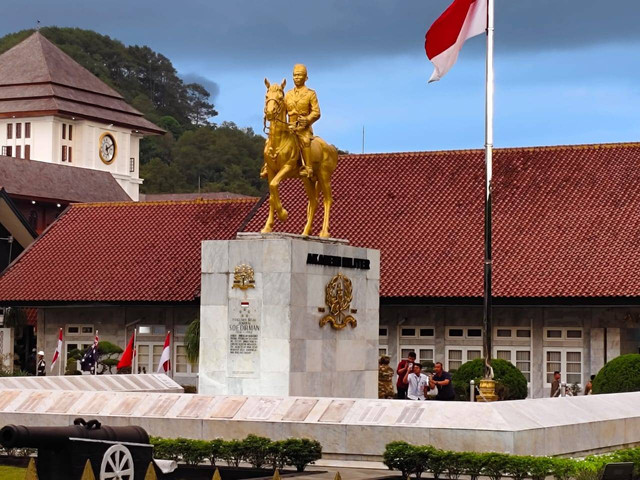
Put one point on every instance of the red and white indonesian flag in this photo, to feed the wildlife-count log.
(462, 20)
(58, 351)
(165, 358)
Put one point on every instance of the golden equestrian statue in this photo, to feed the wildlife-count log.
(292, 151)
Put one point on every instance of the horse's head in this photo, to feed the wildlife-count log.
(274, 100)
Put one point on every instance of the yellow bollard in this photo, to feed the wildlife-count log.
(337, 477)
(87, 473)
(216, 475)
(32, 473)
(276, 475)
(151, 473)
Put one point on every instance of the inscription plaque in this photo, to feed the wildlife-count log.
(243, 359)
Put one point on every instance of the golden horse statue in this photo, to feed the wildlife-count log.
(282, 156)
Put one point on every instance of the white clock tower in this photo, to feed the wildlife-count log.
(54, 110)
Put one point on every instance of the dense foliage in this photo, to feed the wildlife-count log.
(622, 374)
(255, 450)
(194, 154)
(511, 384)
(418, 459)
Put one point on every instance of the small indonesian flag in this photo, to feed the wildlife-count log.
(462, 20)
(58, 351)
(165, 358)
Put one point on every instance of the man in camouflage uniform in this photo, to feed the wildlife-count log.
(303, 110)
(385, 378)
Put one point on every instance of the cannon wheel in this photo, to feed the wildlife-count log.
(117, 464)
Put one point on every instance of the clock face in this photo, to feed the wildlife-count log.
(107, 148)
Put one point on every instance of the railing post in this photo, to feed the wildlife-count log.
(563, 389)
(472, 393)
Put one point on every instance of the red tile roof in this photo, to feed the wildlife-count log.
(37, 78)
(162, 197)
(43, 180)
(122, 252)
(566, 219)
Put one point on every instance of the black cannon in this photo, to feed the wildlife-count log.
(114, 452)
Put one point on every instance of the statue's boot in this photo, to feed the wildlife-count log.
(305, 170)
(263, 172)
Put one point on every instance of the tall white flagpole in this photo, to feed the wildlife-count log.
(95, 365)
(488, 152)
(134, 362)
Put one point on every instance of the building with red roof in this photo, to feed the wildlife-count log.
(566, 247)
(110, 267)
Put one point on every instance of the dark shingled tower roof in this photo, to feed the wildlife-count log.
(37, 78)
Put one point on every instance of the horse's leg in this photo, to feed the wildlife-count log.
(324, 181)
(268, 226)
(274, 194)
(310, 187)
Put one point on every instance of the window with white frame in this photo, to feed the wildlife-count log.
(152, 329)
(383, 333)
(424, 353)
(149, 354)
(454, 333)
(417, 332)
(567, 361)
(456, 356)
(383, 350)
(520, 357)
(512, 333)
(562, 333)
(182, 365)
(79, 329)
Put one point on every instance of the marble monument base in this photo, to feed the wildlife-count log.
(263, 300)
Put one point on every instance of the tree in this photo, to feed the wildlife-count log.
(201, 109)
(107, 356)
(192, 341)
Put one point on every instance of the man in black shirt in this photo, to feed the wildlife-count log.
(442, 380)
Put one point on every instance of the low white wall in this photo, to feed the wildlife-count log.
(351, 428)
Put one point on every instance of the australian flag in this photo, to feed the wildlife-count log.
(90, 358)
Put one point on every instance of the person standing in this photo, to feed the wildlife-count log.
(385, 378)
(405, 366)
(442, 381)
(41, 365)
(555, 385)
(588, 388)
(417, 383)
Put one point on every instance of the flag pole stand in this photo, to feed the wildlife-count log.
(487, 384)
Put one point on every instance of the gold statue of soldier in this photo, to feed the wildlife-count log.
(292, 151)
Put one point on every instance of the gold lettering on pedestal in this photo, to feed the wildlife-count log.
(338, 297)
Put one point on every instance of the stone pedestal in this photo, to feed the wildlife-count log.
(266, 339)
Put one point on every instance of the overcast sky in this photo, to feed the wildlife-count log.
(566, 70)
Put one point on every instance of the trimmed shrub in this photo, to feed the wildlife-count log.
(541, 467)
(622, 374)
(400, 456)
(192, 452)
(233, 452)
(518, 467)
(563, 468)
(628, 455)
(300, 452)
(214, 450)
(472, 464)
(275, 455)
(495, 465)
(511, 384)
(256, 450)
